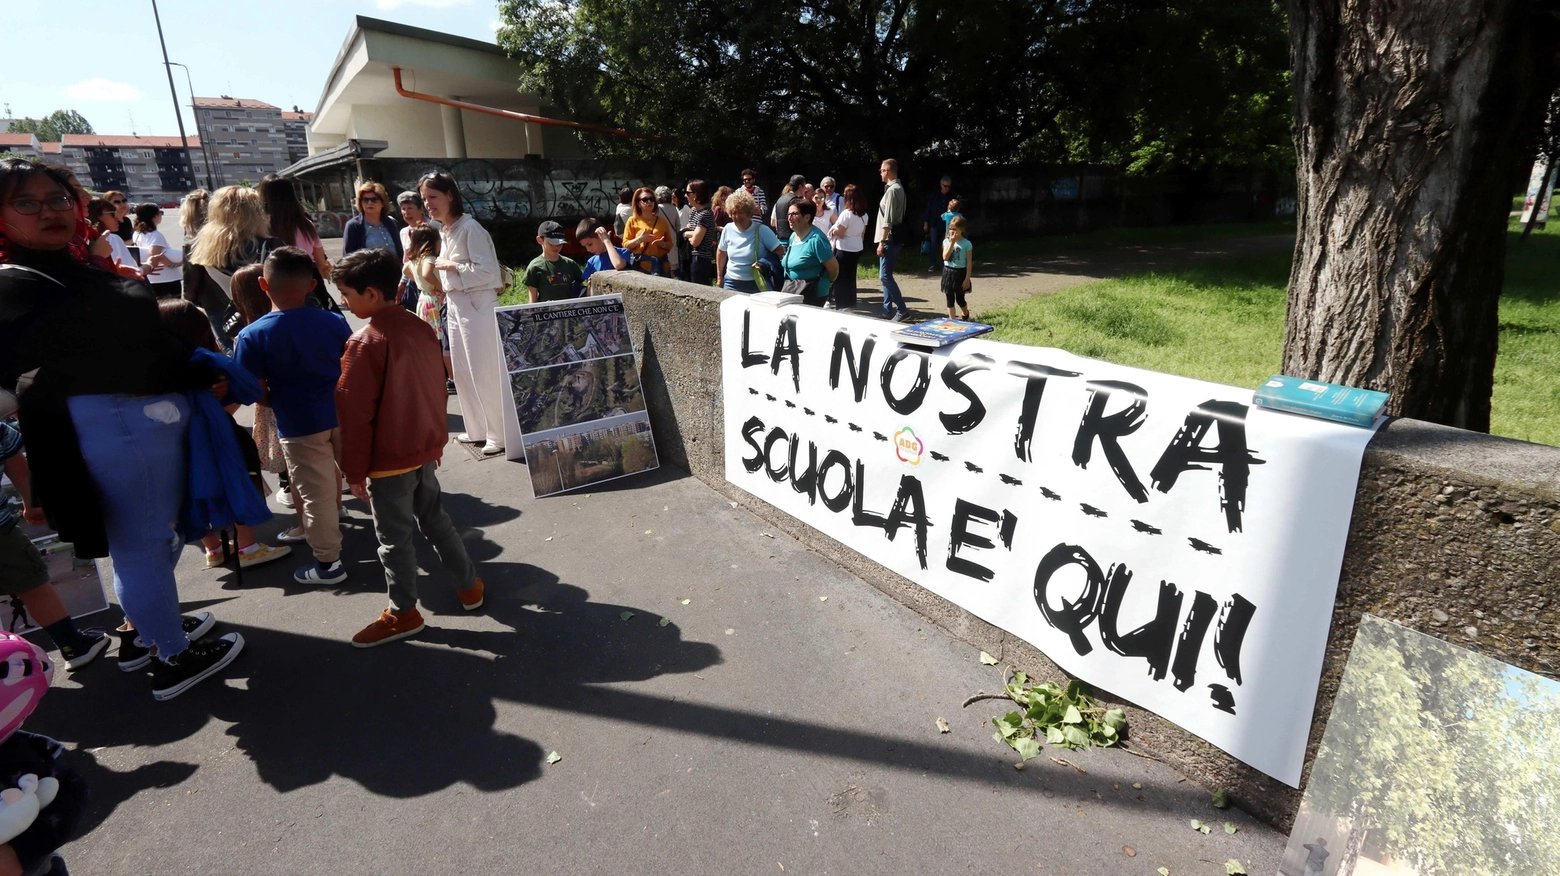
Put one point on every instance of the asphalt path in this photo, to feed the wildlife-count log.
(782, 720)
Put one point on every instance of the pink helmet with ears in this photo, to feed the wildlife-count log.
(25, 671)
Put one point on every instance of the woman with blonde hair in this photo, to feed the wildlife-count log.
(742, 244)
(192, 213)
(647, 234)
(373, 227)
(236, 233)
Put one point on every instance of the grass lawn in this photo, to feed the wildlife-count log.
(1224, 321)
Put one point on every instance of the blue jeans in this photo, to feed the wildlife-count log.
(892, 298)
(135, 452)
(735, 285)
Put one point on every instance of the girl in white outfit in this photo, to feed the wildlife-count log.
(471, 276)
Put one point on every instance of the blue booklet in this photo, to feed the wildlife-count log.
(940, 332)
(1328, 401)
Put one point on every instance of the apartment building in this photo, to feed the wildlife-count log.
(20, 144)
(295, 125)
(144, 168)
(244, 139)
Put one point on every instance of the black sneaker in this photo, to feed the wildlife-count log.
(94, 641)
(449, 387)
(135, 653)
(199, 661)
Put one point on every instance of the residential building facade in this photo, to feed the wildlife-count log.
(144, 168)
(296, 126)
(20, 144)
(244, 139)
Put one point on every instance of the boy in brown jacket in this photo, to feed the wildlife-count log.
(391, 405)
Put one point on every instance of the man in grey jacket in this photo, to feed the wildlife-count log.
(890, 238)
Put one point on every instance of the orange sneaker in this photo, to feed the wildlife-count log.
(390, 626)
(471, 598)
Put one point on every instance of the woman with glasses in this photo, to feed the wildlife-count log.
(472, 278)
(373, 227)
(700, 234)
(125, 228)
(809, 260)
(647, 235)
(103, 390)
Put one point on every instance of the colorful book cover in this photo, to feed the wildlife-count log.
(940, 332)
(1328, 401)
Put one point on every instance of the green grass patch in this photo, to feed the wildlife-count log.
(1224, 321)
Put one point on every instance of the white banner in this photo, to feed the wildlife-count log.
(1154, 535)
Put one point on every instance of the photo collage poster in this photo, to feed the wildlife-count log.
(577, 399)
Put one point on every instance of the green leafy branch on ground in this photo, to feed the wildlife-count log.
(1068, 718)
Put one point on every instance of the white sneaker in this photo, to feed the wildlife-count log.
(899, 317)
(284, 497)
(492, 448)
(466, 438)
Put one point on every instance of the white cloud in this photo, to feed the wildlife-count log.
(104, 91)
(495, 25)
(426, 4)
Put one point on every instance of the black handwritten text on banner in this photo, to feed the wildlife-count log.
(1154, 535)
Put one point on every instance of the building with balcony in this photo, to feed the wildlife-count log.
(144, 168)
(244, 139)
(20, 144)
(296, 126)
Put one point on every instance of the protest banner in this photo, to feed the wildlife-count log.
(1155, 536)
(574, 405)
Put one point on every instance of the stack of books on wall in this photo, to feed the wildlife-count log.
(939, 332)
(1327, 401)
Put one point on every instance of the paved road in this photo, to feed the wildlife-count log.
(765, 729)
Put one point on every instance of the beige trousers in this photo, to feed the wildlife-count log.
(311, 464)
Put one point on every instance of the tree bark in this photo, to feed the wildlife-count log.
(1409, 119)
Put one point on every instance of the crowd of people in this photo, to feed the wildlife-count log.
(810, 241)
(123, 360)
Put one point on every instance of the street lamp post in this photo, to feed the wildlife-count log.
(206, 155)
(177, 113)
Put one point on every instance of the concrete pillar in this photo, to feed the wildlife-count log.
(454, 131)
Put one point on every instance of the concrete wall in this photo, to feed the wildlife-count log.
(1454, 533)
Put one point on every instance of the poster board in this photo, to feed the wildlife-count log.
(1436, 761)
(573, 397)
(1537, 199)
(1156, 536)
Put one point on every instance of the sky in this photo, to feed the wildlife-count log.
(278, 51)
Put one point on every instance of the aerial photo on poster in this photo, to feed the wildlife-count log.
(578, 400)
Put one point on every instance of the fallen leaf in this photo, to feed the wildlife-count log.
(823, 599)
(1233, 868)
(686, 601)
(554, 757)
(587, 495)
(1221, 799)
(942, 726)
(626, 615)
(1196, 825)
(732, 504)
(1230, 828)
(1164, 871)
(1137, 786)
(1129, 851)
(548, 538)
(987, 659)
(664, 621)
(766, 535)
(648, 531)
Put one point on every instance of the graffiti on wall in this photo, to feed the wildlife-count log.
(515, 191)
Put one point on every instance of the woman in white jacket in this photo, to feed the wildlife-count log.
(471, 275)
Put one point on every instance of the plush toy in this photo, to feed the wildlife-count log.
(25, 672)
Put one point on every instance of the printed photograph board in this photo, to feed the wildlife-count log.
(573, 380)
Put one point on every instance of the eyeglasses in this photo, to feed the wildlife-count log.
(118, 202)
(792, 215)
(747, 179)
(370, 199)
(647, 200)
(30, 207)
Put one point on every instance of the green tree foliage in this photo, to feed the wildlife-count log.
(1441, 758)
(1173, 84)
(53, 127)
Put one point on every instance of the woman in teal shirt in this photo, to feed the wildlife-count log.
(808, 254)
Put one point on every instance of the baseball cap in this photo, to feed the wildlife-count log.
(552, 232)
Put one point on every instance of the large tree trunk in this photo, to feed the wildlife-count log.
(1409, 119)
